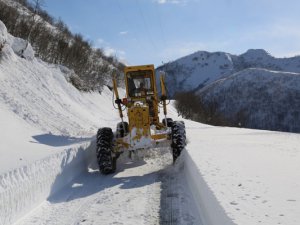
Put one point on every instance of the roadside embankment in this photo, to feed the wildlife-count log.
(24, 188)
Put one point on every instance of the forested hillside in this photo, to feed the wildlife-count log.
(53, 42)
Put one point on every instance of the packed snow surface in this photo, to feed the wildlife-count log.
(253, 174)
(48, 173)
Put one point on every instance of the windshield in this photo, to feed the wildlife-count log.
(139, 82)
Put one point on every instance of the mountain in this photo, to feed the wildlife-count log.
(253, 90)
(201, 68)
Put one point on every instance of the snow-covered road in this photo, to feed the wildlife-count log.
(145, 191)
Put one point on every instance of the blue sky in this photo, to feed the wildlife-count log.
(156, 31)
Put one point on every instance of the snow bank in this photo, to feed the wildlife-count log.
(209, 208)
(3, 34)
(252, 174)
(24, 188)
(20, 47)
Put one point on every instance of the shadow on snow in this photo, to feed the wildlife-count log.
(91, 182)
(58, 140)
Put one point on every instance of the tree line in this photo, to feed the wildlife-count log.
(191, 106)
(58, 45)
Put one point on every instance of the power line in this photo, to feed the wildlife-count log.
(160, 24)
(145, 25)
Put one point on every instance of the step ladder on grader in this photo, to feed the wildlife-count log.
(143, 129)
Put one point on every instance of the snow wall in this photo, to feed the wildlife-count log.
(210, 210)
(24, 188)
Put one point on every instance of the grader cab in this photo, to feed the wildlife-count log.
(143, 130)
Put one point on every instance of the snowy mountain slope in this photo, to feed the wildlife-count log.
(201, 68)
(44, 104)
(196, 70)
(259, 58)
(258, 98)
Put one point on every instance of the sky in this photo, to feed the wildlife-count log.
(159, 31)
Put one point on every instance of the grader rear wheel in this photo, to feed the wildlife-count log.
(178, 138)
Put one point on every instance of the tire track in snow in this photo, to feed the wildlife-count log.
(177, 204)
(169, 211)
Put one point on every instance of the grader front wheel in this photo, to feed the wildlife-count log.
(167, 122)
(105, 158)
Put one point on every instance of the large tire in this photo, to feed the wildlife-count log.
(105, 158)
(169, 122)
(122, 131)
(178, 138)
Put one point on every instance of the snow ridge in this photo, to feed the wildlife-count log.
(211, 213)
(24, 188)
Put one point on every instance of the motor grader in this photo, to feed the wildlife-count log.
(144, 130)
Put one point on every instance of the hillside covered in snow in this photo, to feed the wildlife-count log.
(194, 71)
(258, 98)
(39, 103)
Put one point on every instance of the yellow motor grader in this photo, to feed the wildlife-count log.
(143, 130)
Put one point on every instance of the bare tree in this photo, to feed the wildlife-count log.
(34, 18)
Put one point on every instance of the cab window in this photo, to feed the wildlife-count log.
(139, 82)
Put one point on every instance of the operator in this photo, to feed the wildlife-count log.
(142, 88)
